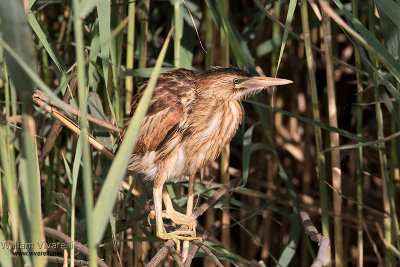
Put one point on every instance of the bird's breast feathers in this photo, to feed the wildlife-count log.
(212, 134)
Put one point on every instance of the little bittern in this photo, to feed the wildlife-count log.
(191, 117)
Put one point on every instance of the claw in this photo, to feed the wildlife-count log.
(177, 236)
(150, 217)
(176, 217)
(181, 219)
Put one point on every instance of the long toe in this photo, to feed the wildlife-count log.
(182, 219)
(178, 236)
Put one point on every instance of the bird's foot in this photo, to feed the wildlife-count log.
(177, 236)
(177, 217)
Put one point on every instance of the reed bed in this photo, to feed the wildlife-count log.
(324, 150)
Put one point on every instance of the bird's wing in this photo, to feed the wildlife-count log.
(162, 121)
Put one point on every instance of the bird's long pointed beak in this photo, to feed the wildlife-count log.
(262, 82)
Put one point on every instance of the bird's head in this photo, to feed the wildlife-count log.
(234, 84)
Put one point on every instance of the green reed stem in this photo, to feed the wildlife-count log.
(390, 223)
(209, 57)
(316, 116)
(9, 180)
(130, 55)
(359, 155)
(87, 172)
(225, 155)
(177, 34)
(144, 27)
(334, 141)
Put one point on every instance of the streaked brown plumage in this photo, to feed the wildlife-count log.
(191, 117)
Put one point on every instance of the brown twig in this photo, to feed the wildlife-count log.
(176, 257)
(314, 7)
(37, 98)
(57, 259)
(204, 236)
(67, 240)
(163, 252)
(53, 216)
(15, 119)
(63, 27)
(208, 234)
(373, 244)
(323, 257)
(43, 98)
(205, 248)
(57, 125)
(385, 242)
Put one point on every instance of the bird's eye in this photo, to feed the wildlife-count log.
(235, 81)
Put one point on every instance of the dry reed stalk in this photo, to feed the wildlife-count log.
(225, 155)
(209, 62)
(334, 141)
(359, 152)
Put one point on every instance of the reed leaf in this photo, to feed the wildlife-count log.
(109, 193)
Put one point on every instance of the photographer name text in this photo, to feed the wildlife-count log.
(12, 245)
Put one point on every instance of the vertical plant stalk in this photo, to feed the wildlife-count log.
(16, 31)
(63, 27)
(9, 180)
(75, 171)
(334, 141)
(72, 251)
(384, 173)
(359, 151)
(316, 117)
(7, 153)
(225, 155)
(45, 65)
(31, 167)
(390, 223)
(118, 11)
(82, 96)
(209, 32)
(271, 172)
(209, 61)
(177, 34)
(6, 87)
(130, 55)
(138, 246)
(144, 27)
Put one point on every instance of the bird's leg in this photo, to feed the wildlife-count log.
(175, 216)
(175, 236)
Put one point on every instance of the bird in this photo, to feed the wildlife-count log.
(191, 117)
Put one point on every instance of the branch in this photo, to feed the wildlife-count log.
(39, 96)
(205, 248)
(67, 240)
(57, 259)
(57, 125)
(323, 256)
(40, 99)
